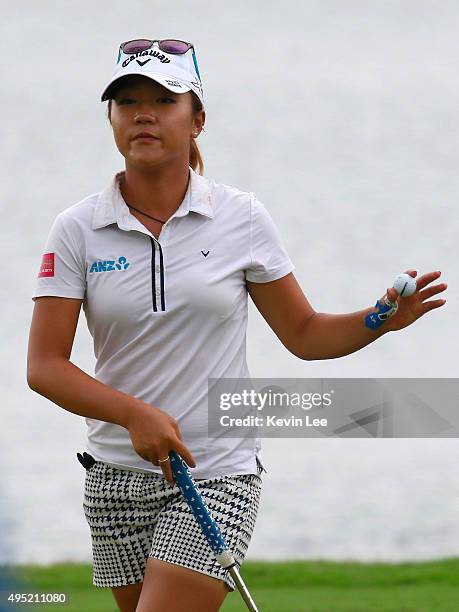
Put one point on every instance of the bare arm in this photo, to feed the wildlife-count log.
(314, 335)
(51, 374)
(285, 308)
(306, 333)
(328, 336)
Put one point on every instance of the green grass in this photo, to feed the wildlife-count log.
(296, 586)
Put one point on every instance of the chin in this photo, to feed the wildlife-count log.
(143, 163)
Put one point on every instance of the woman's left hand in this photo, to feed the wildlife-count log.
(413, 307)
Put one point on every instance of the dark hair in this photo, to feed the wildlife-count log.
(196, 161)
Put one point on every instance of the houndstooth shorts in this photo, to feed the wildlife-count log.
(135, 515)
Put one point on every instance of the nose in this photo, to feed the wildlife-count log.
(145, 112)
(145, 117)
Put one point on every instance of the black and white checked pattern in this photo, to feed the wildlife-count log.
(133, 515)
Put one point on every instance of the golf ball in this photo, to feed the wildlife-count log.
(404, 285)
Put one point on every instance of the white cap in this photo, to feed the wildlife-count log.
(178, 73)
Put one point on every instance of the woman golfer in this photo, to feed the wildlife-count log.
(162, 261)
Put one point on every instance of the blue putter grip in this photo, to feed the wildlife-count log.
(209, 527)
(189, 491)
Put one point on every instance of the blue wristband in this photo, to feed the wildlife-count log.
(386, 309)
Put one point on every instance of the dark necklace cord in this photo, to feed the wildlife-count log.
(143, 213)
(140, 211)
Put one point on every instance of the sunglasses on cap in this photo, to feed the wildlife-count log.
(168, 45)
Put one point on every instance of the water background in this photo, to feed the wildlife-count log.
(342, 118)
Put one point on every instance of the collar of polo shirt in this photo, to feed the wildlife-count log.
(111, 207)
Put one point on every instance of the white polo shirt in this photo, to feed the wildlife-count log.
(166, 314)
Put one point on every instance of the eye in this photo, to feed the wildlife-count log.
(124, 100)
(170, 99)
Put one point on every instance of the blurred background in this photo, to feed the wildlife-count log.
(342, 118)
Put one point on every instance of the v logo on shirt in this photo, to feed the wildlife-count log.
(205, 254)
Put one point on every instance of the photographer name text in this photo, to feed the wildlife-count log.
(271, 421)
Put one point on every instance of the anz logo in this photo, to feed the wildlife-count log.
(109, 265)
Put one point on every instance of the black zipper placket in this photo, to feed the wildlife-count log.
(153, 275)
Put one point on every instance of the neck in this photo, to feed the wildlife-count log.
(155, 191)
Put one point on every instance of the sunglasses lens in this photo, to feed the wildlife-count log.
(134, 46)
(174, 46)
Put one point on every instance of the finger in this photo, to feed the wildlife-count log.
(185, 454)
(433, 304)
(392, 294)
(168, 474)
(412, 273)
(430, 291)
(178, 432)
(165, 466)
(425, 279)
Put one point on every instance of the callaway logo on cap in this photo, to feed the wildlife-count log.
(170, 62)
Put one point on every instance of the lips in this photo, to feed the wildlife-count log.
(145, 135)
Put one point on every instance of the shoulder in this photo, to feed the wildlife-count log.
(72, 225)
(82, 209)
(230, 198)
(78, 216)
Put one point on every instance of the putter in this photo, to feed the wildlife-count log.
(208, 525)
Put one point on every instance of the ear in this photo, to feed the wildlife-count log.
(198, 122)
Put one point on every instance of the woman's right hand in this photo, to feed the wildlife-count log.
(154, 433)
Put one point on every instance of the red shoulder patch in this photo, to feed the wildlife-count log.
(47, 265)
